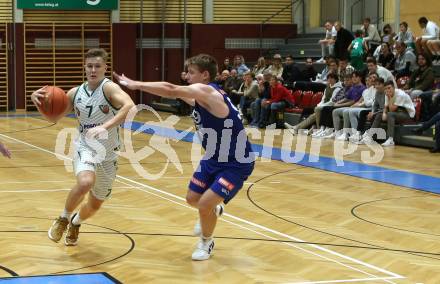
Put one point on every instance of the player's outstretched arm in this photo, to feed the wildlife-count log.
(4, 150)
(189, 93)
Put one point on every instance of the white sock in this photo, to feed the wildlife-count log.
(205, 239)
(77, 220)
(66, 214)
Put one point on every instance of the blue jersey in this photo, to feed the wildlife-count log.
(224, 139)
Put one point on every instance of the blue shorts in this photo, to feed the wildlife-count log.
(225, 179)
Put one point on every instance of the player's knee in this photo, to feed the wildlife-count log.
(205, 208)
(85, 184)
(191, 200)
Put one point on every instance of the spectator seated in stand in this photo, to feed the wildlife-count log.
(331, 92)
(375, 113)
(260, 67)
(291, 73)
(263, 96)
(398, 107)
(308, 73)
(386, 57)
(248, 92)
(277, 102)
(405, 35)
(344, 68)
(324, 121)
(422, 79)
(405, 62)
(371, 36)
(353, 96)
(277, 67)
(355, 115)
(239, 65)
(328, 43)
(233, 83)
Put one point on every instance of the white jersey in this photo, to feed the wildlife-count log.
(92, 108)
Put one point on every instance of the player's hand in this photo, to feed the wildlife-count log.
(5, 151)
(125, 81)
(96, 132)
(38, 95)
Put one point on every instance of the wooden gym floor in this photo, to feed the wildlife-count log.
(309, 222)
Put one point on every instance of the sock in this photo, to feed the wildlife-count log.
(205, 239)
(77, 220)
(66, 214)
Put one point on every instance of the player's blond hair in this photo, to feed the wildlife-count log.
(97, 52)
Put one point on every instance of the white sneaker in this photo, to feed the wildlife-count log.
(329, 136)
(317, 133)
(366, 139)
(324, 132)
(388, 143)
(342, 137)
(203, 250)
(355, 137)
(198, 227)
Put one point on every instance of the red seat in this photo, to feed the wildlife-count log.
(290, 99)
(297, 95)
(316, 99)
(307, 100)
(418, 106)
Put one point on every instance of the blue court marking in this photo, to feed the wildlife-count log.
(355, 169)
(95, 278)
(17, 115)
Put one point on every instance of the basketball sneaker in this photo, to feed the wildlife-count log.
(57, 229)
(203, 250)
(198, 228)
(72, 234)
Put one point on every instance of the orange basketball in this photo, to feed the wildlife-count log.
(54, 103)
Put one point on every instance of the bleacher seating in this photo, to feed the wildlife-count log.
(305, 102)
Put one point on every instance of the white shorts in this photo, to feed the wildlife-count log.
(105, 173)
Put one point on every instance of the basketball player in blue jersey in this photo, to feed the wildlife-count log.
(228, 160)
(100, 106)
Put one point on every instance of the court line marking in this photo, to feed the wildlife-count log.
(37, 181)
(50, 190)
(374, 277)
(392, 274)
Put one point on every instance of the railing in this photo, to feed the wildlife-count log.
(276, 14)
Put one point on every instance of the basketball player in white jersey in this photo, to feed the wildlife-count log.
(100, 106)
